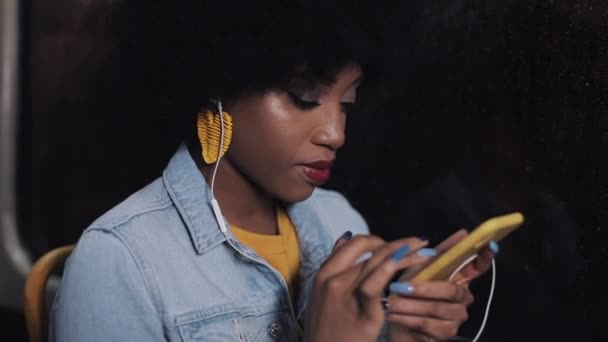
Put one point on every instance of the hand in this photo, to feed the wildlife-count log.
(435, 310)
(428, 311)
(474, 269)
(478, 266)
(346, 297)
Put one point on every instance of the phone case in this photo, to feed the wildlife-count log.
(494, 228)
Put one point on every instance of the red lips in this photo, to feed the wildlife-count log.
(318, 172)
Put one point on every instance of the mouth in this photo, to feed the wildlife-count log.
(318, 172)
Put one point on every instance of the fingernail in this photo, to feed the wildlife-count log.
(404, 289)
(386, 306)
(427, 252)
(424, 238)
(400, 253)
(494, 247)
(346, 236)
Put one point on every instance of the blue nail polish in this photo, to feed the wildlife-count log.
(404, 289)
(494, 247)
(400, 253)
(346, 236)
(427, 252)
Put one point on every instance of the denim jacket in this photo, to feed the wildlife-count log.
(157, 267)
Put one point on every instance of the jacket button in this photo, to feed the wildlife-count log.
(274, 330)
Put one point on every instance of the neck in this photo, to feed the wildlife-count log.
(242, 203)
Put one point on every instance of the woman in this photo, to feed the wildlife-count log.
(236, 240)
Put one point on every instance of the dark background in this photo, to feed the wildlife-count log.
(489, 107)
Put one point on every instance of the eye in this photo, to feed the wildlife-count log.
(300, 103)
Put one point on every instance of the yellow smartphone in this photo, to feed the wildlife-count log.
(494, 228)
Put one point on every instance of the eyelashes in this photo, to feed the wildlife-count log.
(302, 104)
(309, 105)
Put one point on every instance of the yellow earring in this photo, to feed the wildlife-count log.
(209, 129)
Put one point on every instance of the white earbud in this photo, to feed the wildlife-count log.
(218, 215)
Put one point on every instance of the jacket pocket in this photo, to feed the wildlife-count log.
(231, 322)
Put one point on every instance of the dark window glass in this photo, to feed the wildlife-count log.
(82, 148)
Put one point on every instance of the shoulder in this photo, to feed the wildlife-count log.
(143, 224)
(104, 273)
(150, 201)
(115, 250)
(335, 207)
(121, 232)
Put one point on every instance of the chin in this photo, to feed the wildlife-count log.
(297, 194)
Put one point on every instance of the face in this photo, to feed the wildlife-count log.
(285, 141)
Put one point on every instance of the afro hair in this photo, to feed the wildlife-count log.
(183, 54)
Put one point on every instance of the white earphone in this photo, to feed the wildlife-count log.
(487, 311)
(214, 204)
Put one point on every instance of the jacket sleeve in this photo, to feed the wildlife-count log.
(340, 214)
(103, 295)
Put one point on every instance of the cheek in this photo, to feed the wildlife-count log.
(268, 141)
(270, 160)
(261, 136)
(267, 151)
(261, 148)
(270, 130)
(271, 163)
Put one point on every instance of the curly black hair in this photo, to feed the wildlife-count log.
(183, 54)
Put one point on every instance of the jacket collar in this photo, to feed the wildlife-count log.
(192, 198)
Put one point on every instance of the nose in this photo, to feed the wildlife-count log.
(330, 133)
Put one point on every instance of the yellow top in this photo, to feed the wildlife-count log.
(281, 251)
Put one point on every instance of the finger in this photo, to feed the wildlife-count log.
(427, 308)
(452, 240)
(371, 287)
(478, 266)
(344, 257)
(460, 277)
(466, 271)
(412, 271)
(435, 328)
(397, 250)
(437, 290)
(343, 239)
(483, 261)
(464, 281)
(442, 247)
(394, 254)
